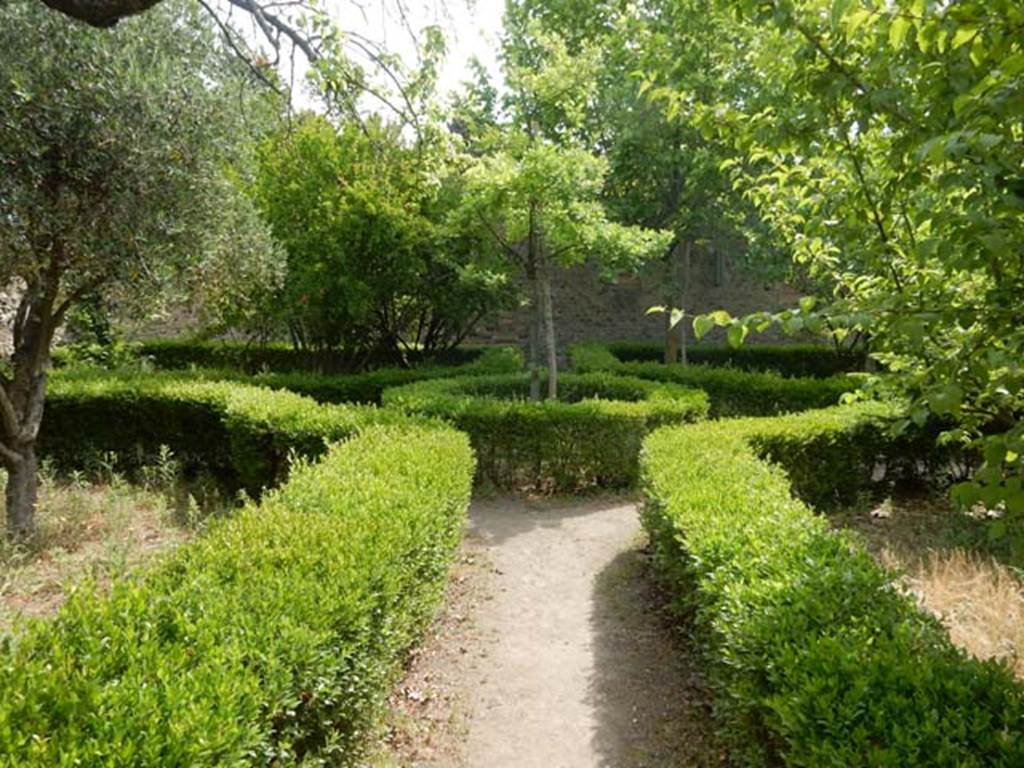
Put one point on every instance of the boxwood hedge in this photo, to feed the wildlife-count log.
(242, 434)
(250, 357)
(363, 387)
(591, 437)
(816, 657)
(731, 392)
(369, 386)
(270, 640)
(799, 360)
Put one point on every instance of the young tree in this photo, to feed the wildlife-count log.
(113, 147)
(663, 172)
(534, 188)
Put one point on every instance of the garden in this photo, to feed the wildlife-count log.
(276, 495)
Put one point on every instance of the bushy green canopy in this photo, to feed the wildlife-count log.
(114, 146)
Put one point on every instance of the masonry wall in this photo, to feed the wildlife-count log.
(588, 308)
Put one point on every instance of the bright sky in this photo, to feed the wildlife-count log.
(471, 28)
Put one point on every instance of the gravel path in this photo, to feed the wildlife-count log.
(554, 652)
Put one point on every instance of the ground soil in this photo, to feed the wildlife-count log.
(554, 652)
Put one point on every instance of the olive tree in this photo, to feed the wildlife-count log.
(114, 146)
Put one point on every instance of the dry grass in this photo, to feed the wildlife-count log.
(980, 601)
(946, 566)
(86, 531)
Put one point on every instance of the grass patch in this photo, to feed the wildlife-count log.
(96, 527)
(953, 568)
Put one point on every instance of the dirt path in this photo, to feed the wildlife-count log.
(554, 653)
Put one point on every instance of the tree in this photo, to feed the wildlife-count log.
(883, 139)
(663, 172)
(535, 189)
(113, 149)
(370, 274)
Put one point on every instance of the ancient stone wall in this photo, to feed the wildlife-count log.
(588, 308)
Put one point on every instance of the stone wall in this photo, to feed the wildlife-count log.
(588, 308)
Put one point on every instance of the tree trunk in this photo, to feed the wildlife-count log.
(548, 311)
(533, 360)
(536, 301)
(21, 493)
(23, 392)
(684, 300)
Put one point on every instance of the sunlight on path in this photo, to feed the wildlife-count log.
(576, 666)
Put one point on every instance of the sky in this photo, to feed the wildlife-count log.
(471, 28)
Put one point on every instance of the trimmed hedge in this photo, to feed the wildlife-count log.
(241, 434)
(369, 387)
(791, 360)
(731, 392)
(816, 657)
(591, 437)
(178, 354)
(272, 639)
(339, 388)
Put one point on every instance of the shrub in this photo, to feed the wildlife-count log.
(242, 434)
(591, 437)
(179, 354)
(224, 365)
(799, 360)
(368, 387)
(270, 640)
(815, 656)
(731, 392)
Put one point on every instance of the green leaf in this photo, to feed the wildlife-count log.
(839, 9)
(702, 326)
(963, 36)
(946, 398)
(898, 31)
(736, 335)
(720, 317)
(855, 20)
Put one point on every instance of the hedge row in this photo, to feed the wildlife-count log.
(368, 387)
(242, 434)
(793, 360)
(326, 388)
(816, 657)
(731, 392)
(272, 639)
(250, 357)
(591, 437)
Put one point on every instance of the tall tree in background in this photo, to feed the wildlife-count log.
(113, 151)
(535, 189)
(662, 172)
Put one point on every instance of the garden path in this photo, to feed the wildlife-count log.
(562, 658)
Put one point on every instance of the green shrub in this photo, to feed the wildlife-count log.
(590, 437)
(800, 360)
(272, 639)
(815, 656)
(249, 357)
(368, 387)
(731, 392)
(242, 434)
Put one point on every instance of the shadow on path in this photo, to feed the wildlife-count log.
(652, 708)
